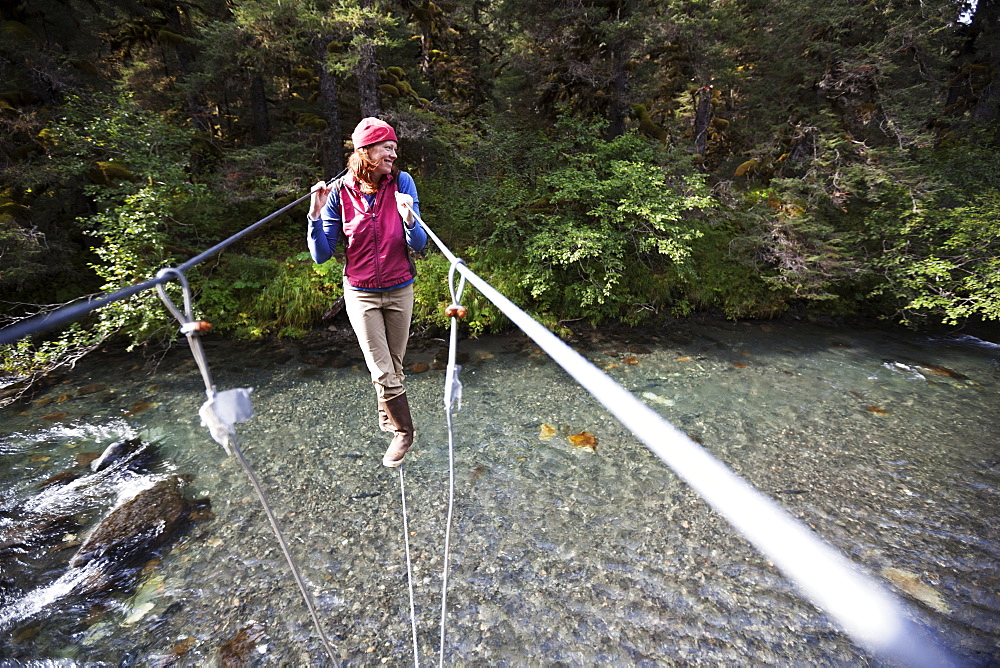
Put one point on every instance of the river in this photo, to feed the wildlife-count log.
(885, 442)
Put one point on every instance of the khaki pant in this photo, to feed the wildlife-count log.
(381, 321)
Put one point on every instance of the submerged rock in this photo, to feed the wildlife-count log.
(147, 521)
(42, 529)
(911, 584)
(938, 370)
(132, 454)
(67, 500)
(63, 478)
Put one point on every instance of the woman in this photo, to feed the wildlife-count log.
(373, 207)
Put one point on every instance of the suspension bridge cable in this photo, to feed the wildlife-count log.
(868, 613)
(292, 564)
(222, 431)
(447, 537)
(68, 314)
(452, 393)
(409, 569)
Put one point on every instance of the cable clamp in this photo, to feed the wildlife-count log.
(196, 327)
(455, 309)
(190, 327)
(186, 317)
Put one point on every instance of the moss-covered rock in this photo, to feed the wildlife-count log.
(108, 173)
(646, 124)
(171, 38)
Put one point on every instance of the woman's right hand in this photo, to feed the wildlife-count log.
(320, 196)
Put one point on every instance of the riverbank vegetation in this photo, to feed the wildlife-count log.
(605, 160)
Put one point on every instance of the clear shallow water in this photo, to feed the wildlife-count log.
(886, 443)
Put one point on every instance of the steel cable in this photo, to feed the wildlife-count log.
(186, 319)
(452, 392)
(865, 610)
(409, 569)
(868, 613)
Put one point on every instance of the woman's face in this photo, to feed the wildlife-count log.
(383, 155)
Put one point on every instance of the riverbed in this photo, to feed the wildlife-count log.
(571, 544)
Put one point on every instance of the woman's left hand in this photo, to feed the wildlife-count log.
(404, 204)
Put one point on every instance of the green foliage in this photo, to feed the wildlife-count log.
(801, 245)
(27, 357)
(140, 217)
(837, 156)
(132, 248)
(432, 296)
(111, 127)
(573, 226)
(250, 297)
(726, 278)
(22, 251)
(270, 173)
(942, 256)
(131, 227)
(612, 220)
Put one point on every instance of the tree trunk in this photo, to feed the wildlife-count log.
(986, 31)
(702, 118)
(483, 81)
(367, 69)
(621, 47)
(331, 145)
(258, 110)
(185, 58)
(619, 92)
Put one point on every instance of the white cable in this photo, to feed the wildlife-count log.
(869, 614)
(409, 570)
(228, 441)
(452, 392)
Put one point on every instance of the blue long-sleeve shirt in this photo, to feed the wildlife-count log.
(324, 233)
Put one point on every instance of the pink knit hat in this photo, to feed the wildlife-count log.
(372, 131)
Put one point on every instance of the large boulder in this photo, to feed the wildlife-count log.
(132, 530)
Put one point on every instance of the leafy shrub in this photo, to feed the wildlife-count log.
(941, 240)
(250, 297)
(432, 296)
(574, 226)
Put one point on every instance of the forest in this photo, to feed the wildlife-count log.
(598, 161)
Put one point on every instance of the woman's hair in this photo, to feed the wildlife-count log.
(364, 170)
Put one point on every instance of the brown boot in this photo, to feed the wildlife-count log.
(397, 410)
(383, 420)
